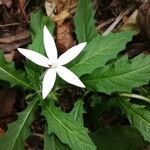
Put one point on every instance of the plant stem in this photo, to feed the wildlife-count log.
(32, 95)
(131, 95)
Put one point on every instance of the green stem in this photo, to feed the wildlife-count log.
(32, 95)
(131, 95)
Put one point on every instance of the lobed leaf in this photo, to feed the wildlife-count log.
(66, 128)
(18, 131)
(10, 74)
(99, 51)
(138, 116)
(123, 75)
(84, 21)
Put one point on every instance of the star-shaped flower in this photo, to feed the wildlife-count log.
(53, 63)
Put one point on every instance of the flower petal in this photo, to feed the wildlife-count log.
(49, 45)
(69, 76)
(48, 82)
(35, 57)
(70, 54)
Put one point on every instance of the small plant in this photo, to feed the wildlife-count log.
(100, 69)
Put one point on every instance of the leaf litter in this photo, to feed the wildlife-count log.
(14, 33)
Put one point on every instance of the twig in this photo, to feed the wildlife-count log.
(118, 19)
(104, 24)
(10, 24)
(38, 135)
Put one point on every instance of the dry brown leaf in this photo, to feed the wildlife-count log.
(17, 37)
(61, 17)
(64, 29)
(1, 2)
(12, 42)
(2, 131)
(64, 38)
(8, 3)
(12, 46)
(50, 7)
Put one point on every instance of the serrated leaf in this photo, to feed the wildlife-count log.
(122, 76)
(138, 116)
(51, 142)
(66, 128)
(18, 131)
(118, 138)
(84, 21)
(10, 74)
(99, 51)
(38, 20)
(77, 112)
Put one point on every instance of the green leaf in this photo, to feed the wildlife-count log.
(10, 74)
(18, 131)
(51, 142)
(66, 128)
(99, 51)
(77, 112)
(118, 138)
(122, 76)
(84, 21)
(38, 20)
(138, 115)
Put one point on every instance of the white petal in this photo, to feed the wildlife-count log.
(71, 53)
(69, 76)
(48, 82)
(49, 45)
(35, 57)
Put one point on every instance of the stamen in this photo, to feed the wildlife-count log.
(50, 66)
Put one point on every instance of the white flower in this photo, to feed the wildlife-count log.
(53, 63)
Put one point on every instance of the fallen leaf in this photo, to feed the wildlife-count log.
(64, 38)
(12, 42)
(2, 131)
(1, 2)
(64, 28)
(8, 3)
(50, 7)
(130, 23)
(62, 16)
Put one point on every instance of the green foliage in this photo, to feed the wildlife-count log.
(99, 51)
(77, 112)
(18, 131)
(118, 138)
(66, 128)
(10, 74)
(138, 115)
(38, 20)
(51, 142)
(84, 21)
(123, 75)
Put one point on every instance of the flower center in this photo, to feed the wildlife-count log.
(52, 66)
